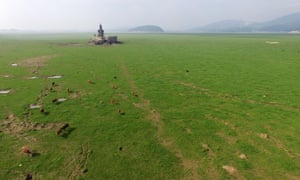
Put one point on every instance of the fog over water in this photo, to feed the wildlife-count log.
(85, 15)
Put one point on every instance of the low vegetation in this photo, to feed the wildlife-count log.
(156, 107)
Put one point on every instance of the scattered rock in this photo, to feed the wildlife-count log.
(205, 147)
(242, 156)
(264, 136)
(189, 131)
(229, 169)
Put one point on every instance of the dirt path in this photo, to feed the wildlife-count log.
(190, 167)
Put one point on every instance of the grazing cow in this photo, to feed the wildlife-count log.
(112, 101)
(90, 82)
(54, 100)
(68, 89)
(26, 151)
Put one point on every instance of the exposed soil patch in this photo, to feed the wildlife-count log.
(143, 104)
(222, 121)
(123, 96)
(35, 63)
(14, 126)
(75, 95)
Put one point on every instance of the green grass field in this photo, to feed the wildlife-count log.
(192, 107)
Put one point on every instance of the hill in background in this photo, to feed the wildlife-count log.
(147, 29)
(287, 23)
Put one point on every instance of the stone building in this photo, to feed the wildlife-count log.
(100, 38)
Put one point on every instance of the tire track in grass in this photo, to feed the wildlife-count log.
(275, 140)
(79, 162)
(190, 167)
(230, 97)
(245, 135)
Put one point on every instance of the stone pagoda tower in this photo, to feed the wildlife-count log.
(101, 32)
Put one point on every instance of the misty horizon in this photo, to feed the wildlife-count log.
(176, 15)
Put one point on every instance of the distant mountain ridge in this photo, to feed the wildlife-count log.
(147, 29)
(286, 23)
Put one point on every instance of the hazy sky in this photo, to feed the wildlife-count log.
(170, 14)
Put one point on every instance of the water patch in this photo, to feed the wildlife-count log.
(33, 77)
(61, 99)
(34, 106)
(6, 76)
(272, 42)
(4, 91)
(55, 77)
